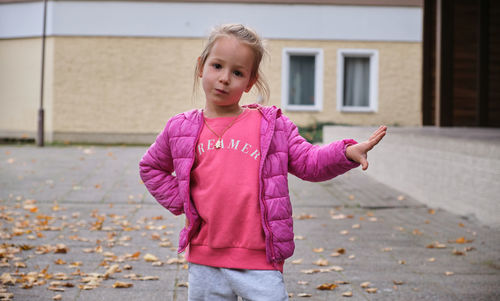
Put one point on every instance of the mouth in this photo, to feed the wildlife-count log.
(221, 91)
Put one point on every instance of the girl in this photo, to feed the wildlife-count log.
(226, 167)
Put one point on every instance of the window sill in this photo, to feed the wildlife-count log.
(357, 110)
(303, 108)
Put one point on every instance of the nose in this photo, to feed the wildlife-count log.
(224, 77)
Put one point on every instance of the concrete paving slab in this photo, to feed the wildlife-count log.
(94, 200)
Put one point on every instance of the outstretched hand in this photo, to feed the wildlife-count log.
(359, 152)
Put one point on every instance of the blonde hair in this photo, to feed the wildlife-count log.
(250, 38)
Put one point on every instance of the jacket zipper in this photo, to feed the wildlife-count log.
(191, 223)
(266, 221)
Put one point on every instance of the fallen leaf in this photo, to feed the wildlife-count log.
(462, 240)
(311, 271)
(431, 211)
(344, 232)
(297, 261)
(305, 216)
(61, 248)
(321, 262)
(20, 264)
(119, 284)
(365, 284)
(436, 245)
(447, 273)
(150, 257)
(342, 282)
(458, 253)
(335, 268)
(7, 279)
(371, 290)
(183, 284)
(347, 294)
(397, 282)
(318, 250)
(304, 295)
(57, 297)
(432, 259)
(326, 287)
(303, 282)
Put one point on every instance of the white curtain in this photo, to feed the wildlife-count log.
(301, 81)
(356, 81)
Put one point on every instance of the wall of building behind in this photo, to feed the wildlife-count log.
(108, 86)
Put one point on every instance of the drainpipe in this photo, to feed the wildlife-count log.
(40, 138)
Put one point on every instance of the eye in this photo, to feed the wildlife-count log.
(217, 65)
(238, 73)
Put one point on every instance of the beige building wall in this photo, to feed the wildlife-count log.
(399, 95)
(20, 70)
(121, 86)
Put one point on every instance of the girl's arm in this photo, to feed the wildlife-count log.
(313, 162)
(156, 168)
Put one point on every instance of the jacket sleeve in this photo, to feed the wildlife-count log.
(156, 170)
(314, 162)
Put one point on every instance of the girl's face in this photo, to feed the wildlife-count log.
(226, 73)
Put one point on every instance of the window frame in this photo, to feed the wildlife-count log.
(372, 55)
(318, 78)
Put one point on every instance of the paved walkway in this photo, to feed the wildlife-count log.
(77, 222)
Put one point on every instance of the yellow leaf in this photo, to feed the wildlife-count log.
(365, 284)
(150, 257)
(327, 287)
(321, 262)
(61, 248)
(20, 264)
(7, 279)
(119, 284)
(297, 261)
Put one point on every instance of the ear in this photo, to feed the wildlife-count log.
(200, 67)
(251, 83)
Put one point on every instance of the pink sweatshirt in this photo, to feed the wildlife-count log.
(224, 188)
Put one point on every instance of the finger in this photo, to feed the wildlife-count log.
(376, 139)
(364, 164)
(381, 129)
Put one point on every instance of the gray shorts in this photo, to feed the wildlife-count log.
(210, 283)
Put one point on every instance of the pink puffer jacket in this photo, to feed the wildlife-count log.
(283, 150)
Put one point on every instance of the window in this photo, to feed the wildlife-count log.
(302, 79)
(357, 80)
